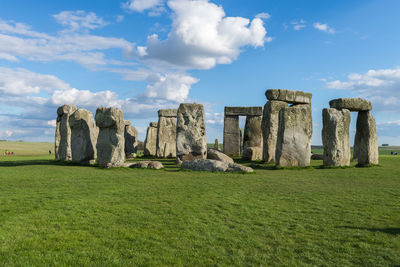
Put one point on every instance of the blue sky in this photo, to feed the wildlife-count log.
(143, 55)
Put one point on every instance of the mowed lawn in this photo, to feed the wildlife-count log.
(54, 213)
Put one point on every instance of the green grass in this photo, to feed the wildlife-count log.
(54, 213)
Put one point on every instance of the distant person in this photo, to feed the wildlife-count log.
(49, 152)
(9, 153)
(5, 152)
(12, 153)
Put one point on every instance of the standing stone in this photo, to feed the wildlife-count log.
(231, 145)
(336, 137)
(269, 125)
(191, 132)
(151, 139)
(166, 133)
(111, 142)
(216, 144)
(84, 134)
(294, 136)
(131, 141)
(62, 149)
(252, 139)
(356, 146)
(367, 151)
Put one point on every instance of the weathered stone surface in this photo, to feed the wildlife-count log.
(269, 125)
(232, 141)
(214, 166)
(155, 165)
(252, 138)
(218, 155)
(191, 132)
(150, 143)
(84, 134)
(216, 144)
(166, 134)
(168, 113)
(294, 136)
(131, 141)
(62, 149)
(110, 143)
(289, 96)
(335, 137)
(243, 111)
(366, 134)
(352, 104)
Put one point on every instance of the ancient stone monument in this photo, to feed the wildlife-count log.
(335, 137)
(110, 142)
(166, 133)
(252, 138)
(293, 146)
(62, 149)
(335, 133)
(151, 139)
(216, 144)
(131, 140)
(84, 134)
(278, 99)
(191, 132)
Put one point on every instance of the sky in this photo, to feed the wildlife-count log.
(146, 55)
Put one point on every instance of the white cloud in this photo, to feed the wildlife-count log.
(380, 86)
(19, 42)
(85, 98)
(263, 15)
(202, 36)
(142, 5)
(52, 123)
(299, 25)
(77, 20)
(22, 82)
(323, 27)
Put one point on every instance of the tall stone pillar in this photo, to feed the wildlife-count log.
(166, 133)
(131, 140)
(151, 139)
(336, 137)
(110, 142)
(367, 139)
(84, 133)
(232, 141)
(191, 140)
(294, 136)
(62, 149)
(270, 124)
(252, 138)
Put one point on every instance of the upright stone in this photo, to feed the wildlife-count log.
(216, 144)
(367, 151)
(151, 139)
(231, 145)
(191, 132)
(131, 141)
(166, 133)
(62, 149)
(252, 139)
(111, 142)
(269, 125)
(84, 134)
(335, 137)
(356, 146)
(294, 136)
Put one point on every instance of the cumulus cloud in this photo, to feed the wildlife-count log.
(77, 20)
(18, 41)
(142, 5)
(323, 27)
(21, 82)
(299, 25)
(202, 36)
(380, 86)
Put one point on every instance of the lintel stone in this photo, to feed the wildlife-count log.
(289, 96)
(167, 112)
(352, 104)
(243, 111)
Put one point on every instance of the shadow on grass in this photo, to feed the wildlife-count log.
(33, 162)
(390, 231)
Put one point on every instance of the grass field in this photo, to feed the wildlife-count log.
(54, 213)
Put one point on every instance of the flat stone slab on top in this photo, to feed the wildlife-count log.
(288, 96)
(167, 112)
(243, 111)
(352, 104)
